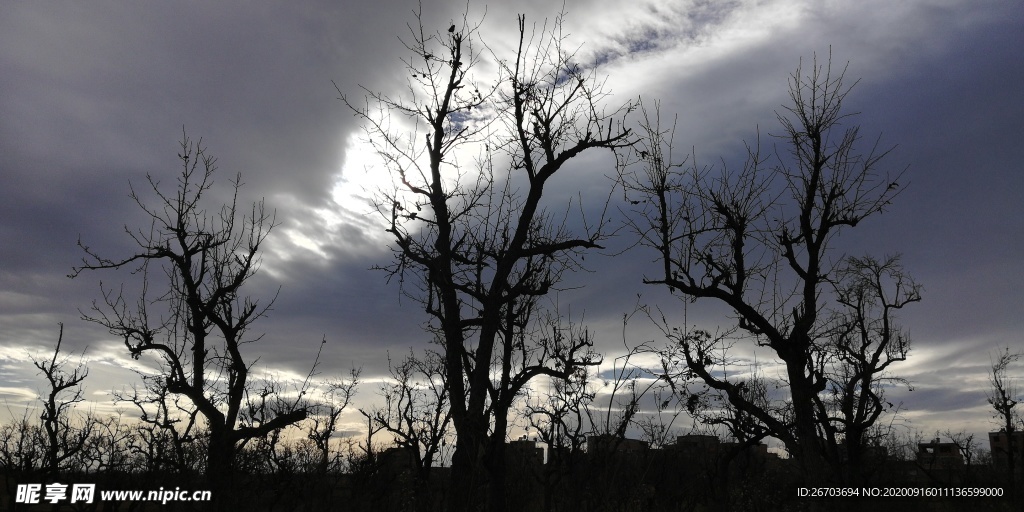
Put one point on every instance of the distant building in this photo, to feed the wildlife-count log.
(611, 444)
(702, 445)
(1002, 444)
(397, 459)
(697, 442)
(868, 453)
(524, 452)
(939, 455)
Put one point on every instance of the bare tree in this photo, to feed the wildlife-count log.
(969, 449)
(199, 322)
(416, 409)
(742, 426)
(167, 426)
(630, 383)
(21, 449)
(21, 453)
(473, 242)
(416, 414)
(760, 240)
(864, 344)
(107, 449)
(64, 439)
(324, 420)
(559, 415)
(609, 403)
(1004, 397)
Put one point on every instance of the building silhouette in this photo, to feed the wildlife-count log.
(1002, 445)
(936, 454)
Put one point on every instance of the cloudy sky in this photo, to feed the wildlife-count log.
(93, 96)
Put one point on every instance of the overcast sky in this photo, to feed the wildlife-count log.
(94, 95)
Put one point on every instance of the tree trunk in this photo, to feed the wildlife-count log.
(495, 462)
(467, 480)
(810, 454)
(220, 471)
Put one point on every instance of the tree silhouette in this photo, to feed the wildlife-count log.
(761, 241)
(473, 242)
(199, 320)
(63, 439)
(1004, 397)
(416, 410)
(866, 341)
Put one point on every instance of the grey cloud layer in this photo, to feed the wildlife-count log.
(94, 96)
